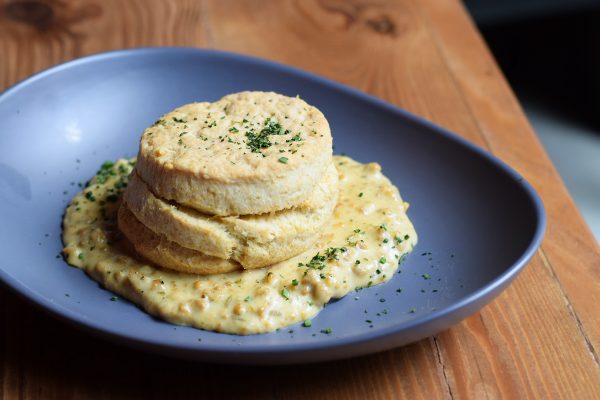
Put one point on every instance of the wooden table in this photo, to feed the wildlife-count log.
(540, 339)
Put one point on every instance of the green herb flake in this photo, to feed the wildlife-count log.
(307, 323)
(361, 194)
(426, 276)
(272, 127)
(90, 196)
(283, 160)
(383, 226)
(233, 129)
(285, 294)
(81, 256)
(179, 120)
(327, 331)
(382, 260)
(295, 282)
(247, 299)
(114, 298)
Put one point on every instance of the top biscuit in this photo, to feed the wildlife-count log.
(247, 153)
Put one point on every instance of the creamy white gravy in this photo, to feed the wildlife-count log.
(361, 246)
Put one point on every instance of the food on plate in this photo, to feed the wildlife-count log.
(166, 253)
(252, 240)
(248, 153)
(229, 265)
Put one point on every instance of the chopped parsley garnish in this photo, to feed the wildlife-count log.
(283, 160)
(285, 294)
(90, 196)
(273, 127)
(327, 331)
(318, 260)
(81, 256)
(382, 260)
(295, 282)
(383, 226)
(114, 298)
(256, 142)
(333, 252)
(361, 194)
(107, 165)
(247, 299)
(179, 120)
(307, 323)
(426, 276)
(233, 129)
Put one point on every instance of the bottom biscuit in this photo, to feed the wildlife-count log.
(169, 254)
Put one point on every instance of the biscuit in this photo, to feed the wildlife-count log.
(247, 153)
(252, 240)
(168, 254)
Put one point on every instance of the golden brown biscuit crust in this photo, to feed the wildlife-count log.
(253, 240)
(247, 153)
(168, 254)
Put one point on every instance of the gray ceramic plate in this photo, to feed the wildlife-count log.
(478, 221)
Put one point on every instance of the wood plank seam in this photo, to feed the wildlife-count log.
(588, 343)
(206, 25)
(488, 147)
(487, 144)
(441, 363)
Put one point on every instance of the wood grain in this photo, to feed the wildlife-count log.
(570, 250)
(537, 340)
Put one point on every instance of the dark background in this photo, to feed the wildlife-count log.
(549, 51)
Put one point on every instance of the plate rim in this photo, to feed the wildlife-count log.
(482, 295)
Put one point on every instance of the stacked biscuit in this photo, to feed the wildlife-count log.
(243, 182)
